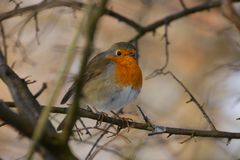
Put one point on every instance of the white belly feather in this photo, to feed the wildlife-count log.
(119, 99)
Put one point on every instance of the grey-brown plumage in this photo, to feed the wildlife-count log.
(100, 88)
(94, 68)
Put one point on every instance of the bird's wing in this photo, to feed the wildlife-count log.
(94, 68)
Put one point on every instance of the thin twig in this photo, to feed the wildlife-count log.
(99, 148)
(78, 132)
(44, 86)
(146, 119)
(85, 127)
(168, 19)
(29, 81)
(142, 30)
(27, 105)
(115, 152)
(44, 5)
(26, 128)
(166, 47)
(97, 141)
(192, 98)
(143, 126)
(36, 28)
(167, 43)
(92, 18)
(230, 13)
(183, 4)
(186, 140)
(4, 42)
(17, 4)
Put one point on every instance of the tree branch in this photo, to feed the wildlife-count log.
(28, 113)
(168, 19)
(144, 126)
(60, 3)
(26, 128)
(230, 13)
(27, 105)
(160, 71)
(140, 29)
(90, 26)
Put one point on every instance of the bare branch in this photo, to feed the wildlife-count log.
(192, 98)
(72, 4)
(44, 86)
(230, 13)
(24, 126)
(97, 141)
(168, 19)
(36, 28)
(26, 103)
(17, 4)
(186, 140)
(93, 17)
(4, 42)
(146, 119)
(143, 126)
(99, 148)
(166, 47)
(142, 30)
(183, 4)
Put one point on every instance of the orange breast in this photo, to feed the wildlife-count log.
(128, 73)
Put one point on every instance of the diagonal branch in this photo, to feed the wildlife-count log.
(144, 126)
(192, 98)
(72, 4)
(167, 43)
(183, 4)
(230, 13)
(4, 43)
(168, 19)
(27, 105)
(26, 128)
(140, 29)
(90, 26)
(9, 117)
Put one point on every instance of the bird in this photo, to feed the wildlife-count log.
(112, 80)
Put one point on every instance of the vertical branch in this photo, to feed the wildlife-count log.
(46, 111)
(17, 4)
(36, 28)
(192, 98)
(4, 42)
(93, 16)
(26, 104)
(167, 43)
(97, 141)
(183, 4)
(230, 13)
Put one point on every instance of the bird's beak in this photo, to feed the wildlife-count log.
(134, 55)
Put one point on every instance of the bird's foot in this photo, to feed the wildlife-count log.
(101, 116)
(125, 122)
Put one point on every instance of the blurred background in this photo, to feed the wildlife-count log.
(204, 55)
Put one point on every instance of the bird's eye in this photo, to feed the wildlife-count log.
(118, 53)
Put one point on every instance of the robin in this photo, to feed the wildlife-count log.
(112, 79)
